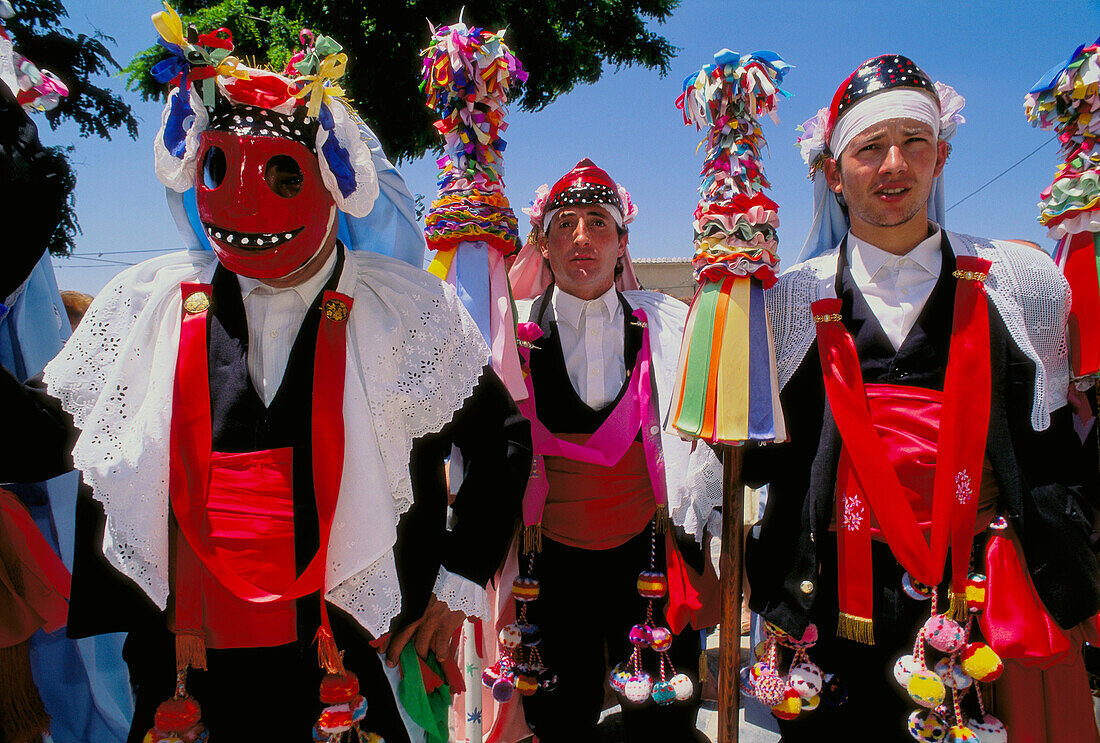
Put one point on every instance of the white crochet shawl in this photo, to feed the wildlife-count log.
(414, 355)
(1029, 293)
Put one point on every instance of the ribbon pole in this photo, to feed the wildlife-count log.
(730, 572)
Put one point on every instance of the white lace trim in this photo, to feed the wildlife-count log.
(462, 594)
(414, 357)
(1030, 294)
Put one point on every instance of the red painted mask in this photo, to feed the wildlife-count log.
(262, 202)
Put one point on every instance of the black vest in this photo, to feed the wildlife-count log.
(559, 406)
(242, 423)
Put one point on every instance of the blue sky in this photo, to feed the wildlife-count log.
(990, 52)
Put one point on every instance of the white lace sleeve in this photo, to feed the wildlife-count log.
(462, 594)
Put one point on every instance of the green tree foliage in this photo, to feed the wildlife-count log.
(76, 59)
(560, 42)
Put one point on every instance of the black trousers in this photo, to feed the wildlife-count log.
(588, 602)
(268, 694)
(877, 707)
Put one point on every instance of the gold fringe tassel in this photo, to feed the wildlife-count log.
(532, 538)
(703, 666)
(957, 609)
(328, 656)
(856, 629)
(190, 650)
(661, 519)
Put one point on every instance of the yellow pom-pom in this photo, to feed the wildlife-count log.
(789, 708)
(809, 705)
(926, 688)
(960, 734)
(981, 662)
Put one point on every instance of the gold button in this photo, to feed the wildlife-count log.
(807, 586)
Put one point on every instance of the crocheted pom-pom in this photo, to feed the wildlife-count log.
(532, 635)
(511, 636)
(926, 688)
(503, 689)
(748, 682)
(358, 708)
(809, 705)
(989, 729)
(789, 708)
(335, 719)
(638, 687)
(904, 668)
(770, 689)
(489, 677)
(953, 676)
(652, 584)
(835, 692)
(619, 677)
(548, 681)
(806, 679)
(660, 639)
(975, 592)
(525, 589)
(682, 686)
(944, 634)
(526, 685)
(663, 693)
(960, 734)
(339, 688)
(177, 715)
(982, 662)
(927, 725)
(641, 635)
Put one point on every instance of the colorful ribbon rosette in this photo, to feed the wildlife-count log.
(1066, 100)
(727, 388)
(467, 77)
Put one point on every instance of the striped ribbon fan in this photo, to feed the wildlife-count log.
(468, 75)
(1066, 99)
(727, 391)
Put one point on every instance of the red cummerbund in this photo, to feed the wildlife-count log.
(249, 524)
(907, 419)
(597, 507)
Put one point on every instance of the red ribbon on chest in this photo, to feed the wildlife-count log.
(190, 459)
(868, 478)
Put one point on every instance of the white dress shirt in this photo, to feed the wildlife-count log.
(896, 287)
(591, 333)
(274, 317)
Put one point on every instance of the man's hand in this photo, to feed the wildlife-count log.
(437, 631)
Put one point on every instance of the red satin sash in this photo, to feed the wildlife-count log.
(596, 507)
(190, 460)
(38, 596)
(868, 480)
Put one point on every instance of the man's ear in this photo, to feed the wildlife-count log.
(623, 240)
(943, 149)
(543, 243)
(832, 174)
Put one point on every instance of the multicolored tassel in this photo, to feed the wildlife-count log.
(727, 389)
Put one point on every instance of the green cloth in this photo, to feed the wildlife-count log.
(429, 711)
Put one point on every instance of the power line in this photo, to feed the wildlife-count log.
(1010, 167)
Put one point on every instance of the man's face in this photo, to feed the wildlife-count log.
(582, 246)
(886, 174)
(263, 204)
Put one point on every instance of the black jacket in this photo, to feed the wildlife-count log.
(1041, 475)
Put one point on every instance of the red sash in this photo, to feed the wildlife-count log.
(190, 461)
(34, 583)
(597, 507)
(871, 481)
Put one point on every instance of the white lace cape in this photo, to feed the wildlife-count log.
(414, 355)
(693, 478)
(1028, 291)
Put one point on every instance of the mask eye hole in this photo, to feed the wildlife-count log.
(213, 168)
(284, 176)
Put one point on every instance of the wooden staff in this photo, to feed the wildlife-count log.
(729, 639)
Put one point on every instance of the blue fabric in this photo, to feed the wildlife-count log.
(84, 684)
(175, 133)
(339, 163)
(761, 420)
(471, 272)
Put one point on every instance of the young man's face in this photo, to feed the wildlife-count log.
(582, 246)
(886, 174)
